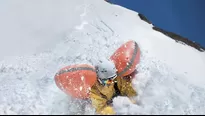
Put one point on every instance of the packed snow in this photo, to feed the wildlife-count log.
(38, 37)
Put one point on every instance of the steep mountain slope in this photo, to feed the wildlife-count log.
(40, 37)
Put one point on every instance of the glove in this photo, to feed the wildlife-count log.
(107, 111)
(133, 100)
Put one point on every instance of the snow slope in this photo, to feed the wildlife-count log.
(38, 37)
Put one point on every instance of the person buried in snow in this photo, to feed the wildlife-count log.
(102, 82)
(109, 85)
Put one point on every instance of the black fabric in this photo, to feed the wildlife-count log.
(117, 91)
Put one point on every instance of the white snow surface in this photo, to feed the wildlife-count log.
(38, 37)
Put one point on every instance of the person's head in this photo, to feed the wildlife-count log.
(106, 71)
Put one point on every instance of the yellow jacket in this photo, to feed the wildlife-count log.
(101, 96)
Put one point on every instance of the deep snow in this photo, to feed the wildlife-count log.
(38, 37)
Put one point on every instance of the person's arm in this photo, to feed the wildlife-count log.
(100, 103)
(126, 87)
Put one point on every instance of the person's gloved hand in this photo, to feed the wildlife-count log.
(107, 111)
(133, 100)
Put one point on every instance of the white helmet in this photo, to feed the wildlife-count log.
(106, 69)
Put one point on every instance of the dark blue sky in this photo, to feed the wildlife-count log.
(183, 17)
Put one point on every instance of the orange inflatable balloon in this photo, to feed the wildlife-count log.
(126, 57)
(76, 80)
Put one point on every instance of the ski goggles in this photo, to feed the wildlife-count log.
(108, 81)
